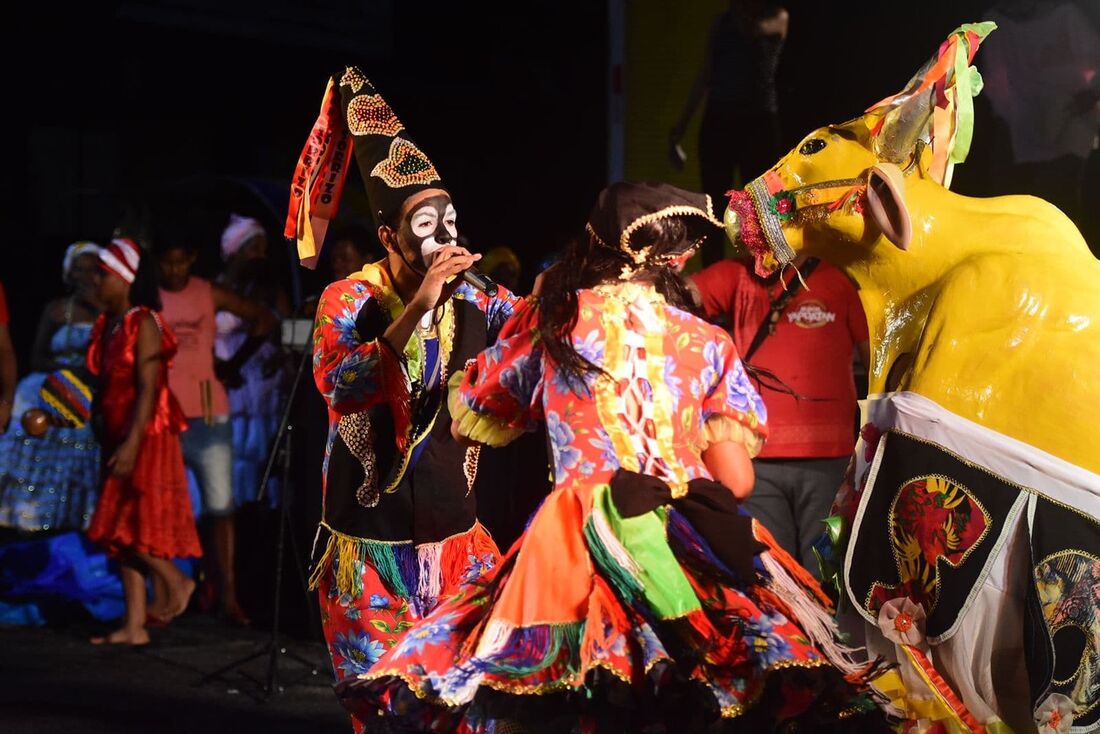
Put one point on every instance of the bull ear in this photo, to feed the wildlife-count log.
(886, 203)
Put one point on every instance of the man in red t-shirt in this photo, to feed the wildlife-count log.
(810, 350)
(7, 364)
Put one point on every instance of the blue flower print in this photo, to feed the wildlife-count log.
(714, 368)
(602, 441)
(769, 644)
(496, 313)
(493, 354)
(741, 395)
(650, 644)
(356, 652)
(566, 456)
(591, 347)
(521, 377)
(418, 637)
(672, 382)
(344, 324)
(617, 646)
(478, 567)
(355, 378)
(377, 601)
(562, 385)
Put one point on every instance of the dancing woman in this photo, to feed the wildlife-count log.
(640, 597)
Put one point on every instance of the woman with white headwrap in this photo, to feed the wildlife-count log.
(49, 458)
(253, 373)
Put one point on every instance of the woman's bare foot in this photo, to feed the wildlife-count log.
(235, 614)
(124, 636)
(157, 609)
(178, 597)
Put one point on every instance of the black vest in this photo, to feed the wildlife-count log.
(430, 499)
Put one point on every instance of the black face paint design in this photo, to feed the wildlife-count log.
(428, 225)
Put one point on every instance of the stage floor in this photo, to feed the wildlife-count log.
(55, 682)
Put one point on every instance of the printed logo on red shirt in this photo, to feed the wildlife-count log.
(811, 315)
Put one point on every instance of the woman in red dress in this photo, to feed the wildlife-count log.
(144, 516)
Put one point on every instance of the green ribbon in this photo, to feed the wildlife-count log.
(665, 587)
(968, 84)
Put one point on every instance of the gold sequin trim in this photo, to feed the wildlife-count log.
(639, 255)
(353, 78)
(406, 165)
(368, 114)
(358, 435)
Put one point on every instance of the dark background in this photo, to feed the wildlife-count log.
(161, 117)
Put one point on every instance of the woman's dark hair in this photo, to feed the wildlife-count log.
(586, 264)
(145, 290)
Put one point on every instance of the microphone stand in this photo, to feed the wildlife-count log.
(273, 649)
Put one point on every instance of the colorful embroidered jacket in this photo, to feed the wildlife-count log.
(394, 476)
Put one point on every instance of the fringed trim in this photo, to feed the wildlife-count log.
(481, 428)
(720, 428)
(797, 589)
(793, 567)
(611, 557)
(418, 573)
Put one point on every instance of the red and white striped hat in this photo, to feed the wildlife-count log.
(121, 257)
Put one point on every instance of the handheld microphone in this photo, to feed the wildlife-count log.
(473, 276)
(481, 281)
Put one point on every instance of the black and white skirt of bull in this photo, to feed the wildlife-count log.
(974, 561)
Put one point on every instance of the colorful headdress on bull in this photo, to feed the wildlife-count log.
(354, 118)
(928, 126)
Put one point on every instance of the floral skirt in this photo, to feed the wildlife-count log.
(664, 637)
(364, 619)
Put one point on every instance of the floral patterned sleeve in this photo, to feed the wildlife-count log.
(347, 364)
(732, 409)
(500, 394)
(498, 309)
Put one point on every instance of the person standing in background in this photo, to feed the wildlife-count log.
(190, 304)
(740, 128)
(353, 246)
(808, 345)
(143, 518)
(49, 468)
(256, 386)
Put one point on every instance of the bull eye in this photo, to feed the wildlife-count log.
(812, 146)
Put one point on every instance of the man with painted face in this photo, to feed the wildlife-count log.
(399, 530)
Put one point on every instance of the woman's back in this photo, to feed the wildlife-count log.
(671, 380)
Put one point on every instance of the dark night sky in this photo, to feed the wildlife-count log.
(117, 109)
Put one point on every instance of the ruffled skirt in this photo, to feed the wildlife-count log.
(149, 511)
(598, 623)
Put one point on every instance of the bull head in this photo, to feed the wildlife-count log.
(848, 182)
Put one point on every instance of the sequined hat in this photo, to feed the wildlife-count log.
(622, 209)
(392, 166)
(353, 119)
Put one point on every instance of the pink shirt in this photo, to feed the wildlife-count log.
(190, 314)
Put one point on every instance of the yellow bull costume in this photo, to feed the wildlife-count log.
(970, 515)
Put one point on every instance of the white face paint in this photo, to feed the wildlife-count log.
(425, 226)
